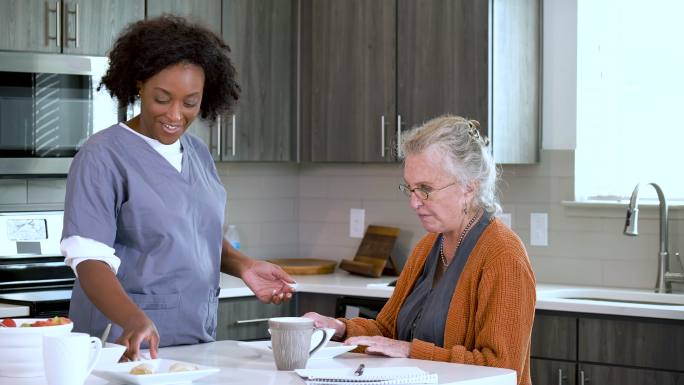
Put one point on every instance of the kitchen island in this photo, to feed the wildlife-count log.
(244, 366)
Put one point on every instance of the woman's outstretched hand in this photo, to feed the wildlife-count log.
(269, 282)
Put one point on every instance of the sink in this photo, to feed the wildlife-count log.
(616, 296)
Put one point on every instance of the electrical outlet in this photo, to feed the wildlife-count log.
(356, 223)
(539, 229)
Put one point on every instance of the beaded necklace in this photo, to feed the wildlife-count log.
(460, 239)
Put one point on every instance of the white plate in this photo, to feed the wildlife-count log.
(332, 349)
(120, 372)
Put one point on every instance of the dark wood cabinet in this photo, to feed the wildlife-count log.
(348, 75)
(647, 343)
(554, 337)
(262, 36)
(616, 375)
(551, 372)
(205, 12)
(71, 27)
(246, 318)
(320, 303)
(606, 349)
(442, 54)
(373, 69)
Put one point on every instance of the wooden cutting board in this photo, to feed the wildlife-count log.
(305, 266)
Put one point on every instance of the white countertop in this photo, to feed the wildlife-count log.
(549, 296)
(244, 366)
(338, 283)
(7, 310)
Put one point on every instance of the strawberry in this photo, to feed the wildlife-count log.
(8, 322)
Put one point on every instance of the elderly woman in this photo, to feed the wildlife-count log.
(467, 292)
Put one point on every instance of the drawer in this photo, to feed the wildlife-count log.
(554, 336)
(646, 343)
(246, 318)
(618, 375)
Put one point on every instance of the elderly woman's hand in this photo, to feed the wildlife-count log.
(321, 321)
(381, 345)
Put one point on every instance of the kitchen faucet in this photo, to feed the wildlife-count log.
(665, 277)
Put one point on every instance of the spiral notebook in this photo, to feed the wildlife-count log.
(370, 376)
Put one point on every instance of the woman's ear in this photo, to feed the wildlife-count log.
(471, 189)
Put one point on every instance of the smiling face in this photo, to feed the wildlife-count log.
(442, 212)
(169, 102)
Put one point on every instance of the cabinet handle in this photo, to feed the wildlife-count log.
(561, 377)
(250, 321)
(582, 379)
(218, 138)
(382, 136)
(76, 34)
(398, 136)
(58, 21)
(234, 125)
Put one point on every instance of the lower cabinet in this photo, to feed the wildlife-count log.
(587, 349)
(606, 375)
(246, 318)
(552, 372)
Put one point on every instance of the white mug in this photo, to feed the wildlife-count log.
(291, 341)
(69, 358)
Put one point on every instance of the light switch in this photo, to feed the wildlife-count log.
(356, 223)
(539, 229)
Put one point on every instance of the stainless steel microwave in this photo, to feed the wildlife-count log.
(49, 106)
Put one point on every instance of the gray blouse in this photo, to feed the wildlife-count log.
(423, 314)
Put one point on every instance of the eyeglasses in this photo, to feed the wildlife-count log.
(421, 192)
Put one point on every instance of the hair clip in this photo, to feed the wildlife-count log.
(474, 132)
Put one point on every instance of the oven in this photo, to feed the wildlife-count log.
(49, 106)
(32, 269)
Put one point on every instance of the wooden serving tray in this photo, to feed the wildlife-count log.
(305, 266)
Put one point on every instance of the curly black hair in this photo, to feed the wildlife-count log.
(146, 47)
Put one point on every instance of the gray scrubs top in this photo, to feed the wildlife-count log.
(165, 226)
(424, 312)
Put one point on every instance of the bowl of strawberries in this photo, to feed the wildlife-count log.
(22, 340)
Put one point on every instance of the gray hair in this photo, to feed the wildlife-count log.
(468, 157)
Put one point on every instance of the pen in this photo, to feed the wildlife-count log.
(359, 371)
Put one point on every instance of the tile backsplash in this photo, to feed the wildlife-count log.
(287, 210)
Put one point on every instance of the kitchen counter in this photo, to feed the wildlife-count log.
(339, 283)
(627, 302)
(245, 366)
(8, 310)
(549, 296)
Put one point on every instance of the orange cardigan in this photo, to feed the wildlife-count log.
(490, 318)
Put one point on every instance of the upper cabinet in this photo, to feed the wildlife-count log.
(208, 14)
(205, 12)
(348, 74)
(371, 70)
(262, 36)
(72, 27)
(442, 60)
(515, 80)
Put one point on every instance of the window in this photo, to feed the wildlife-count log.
(630, 98)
